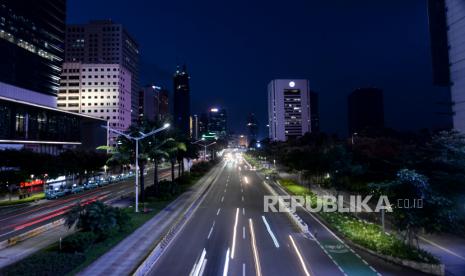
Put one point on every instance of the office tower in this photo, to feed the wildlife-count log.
(447, 32)
(153, 103)
(194, 127)
(252, 126)
(31, 49)
(288, 109)
(105, 42)
(99, 90)
(32, 35)
(217, 122)
(163, 104)
(203, 124)
(365, 111)
(314, 112)
(181, 110)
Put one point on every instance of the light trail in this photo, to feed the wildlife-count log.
(234, 234)
(226, 264)
(258, 270)
(301, 259)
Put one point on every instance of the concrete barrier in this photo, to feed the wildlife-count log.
(31, 233)
(292, 215)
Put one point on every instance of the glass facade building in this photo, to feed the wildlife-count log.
(32, 35)
(47, 129)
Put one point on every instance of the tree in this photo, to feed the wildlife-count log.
(426, 209)
(98, 218)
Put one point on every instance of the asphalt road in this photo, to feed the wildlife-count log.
(21, 220)
(229, 234)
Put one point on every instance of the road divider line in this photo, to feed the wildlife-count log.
(301, 259)
(217, 213)
(243, 211)
(268, 228)
(243, 269)
(243, 232)
(242, 198)
(256, 257)
(226, 264)
(211, 230)
(234, 234)
(222, 198)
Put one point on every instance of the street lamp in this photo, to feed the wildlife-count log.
(205, 146)
(136, 139)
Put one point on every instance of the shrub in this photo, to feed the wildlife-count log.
(98, 218)
(45, 263)
(78, 242)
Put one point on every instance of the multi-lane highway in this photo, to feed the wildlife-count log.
(229, 234)
(20, 220)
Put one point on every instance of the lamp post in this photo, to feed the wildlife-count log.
(136, 139)
(205, 146)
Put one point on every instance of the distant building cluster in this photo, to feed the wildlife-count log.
(210, 125)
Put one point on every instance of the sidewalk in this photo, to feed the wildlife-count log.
(125, 257)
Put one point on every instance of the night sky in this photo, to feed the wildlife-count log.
(234, 48)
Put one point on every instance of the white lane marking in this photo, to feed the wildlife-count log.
(243, 232)
(242, 198)
(234, 234)
(242, 190)
(225, 190)
(256, 257)
(243, 211)
(222, 198)
(246, 180)
(211, 230)
(226, 264)
(243, 269)
(217, 213)
(273, 237)
(304, 267)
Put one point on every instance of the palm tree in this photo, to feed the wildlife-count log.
(173, 149)
(157, 152)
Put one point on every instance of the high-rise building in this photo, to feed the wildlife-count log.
(203, 124)
(153, 103)
(252, 126)
(288, 109)
(194, 127)
(99, 90)
(181, 110)
(32, 35)
(314, 112)
(217, 122)
(105, 42)
(447, 32)
(365, 111)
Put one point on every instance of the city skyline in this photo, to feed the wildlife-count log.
(395, 56)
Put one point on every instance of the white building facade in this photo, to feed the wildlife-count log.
(455, 14)
(288, 108)
(98, 90)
